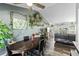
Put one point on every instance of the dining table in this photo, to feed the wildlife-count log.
(24, 46)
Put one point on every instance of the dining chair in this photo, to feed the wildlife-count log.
(26, 38)
(37, 51)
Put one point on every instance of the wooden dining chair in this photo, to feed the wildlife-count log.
(26, 38)
(37, 51)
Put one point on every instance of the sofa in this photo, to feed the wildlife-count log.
(65, 38)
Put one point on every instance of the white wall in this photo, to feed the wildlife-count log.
(60, 12)
(78, 26)
(77, 21)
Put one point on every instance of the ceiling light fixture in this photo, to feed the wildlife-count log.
(29, 4)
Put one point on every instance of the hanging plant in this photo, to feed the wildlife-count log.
(31, 21)
(35, 19)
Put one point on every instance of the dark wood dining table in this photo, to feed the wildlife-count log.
(23, 46)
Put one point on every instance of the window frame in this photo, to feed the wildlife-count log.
(12, 18)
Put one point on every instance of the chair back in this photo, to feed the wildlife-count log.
(26, 38)
(8, 51)
(41, 45)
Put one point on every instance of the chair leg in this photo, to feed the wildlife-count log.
(22, 53)
(70, 54)
(43, 53)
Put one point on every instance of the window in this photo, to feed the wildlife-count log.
(19, 21)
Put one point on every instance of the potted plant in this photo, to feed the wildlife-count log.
(4, 34)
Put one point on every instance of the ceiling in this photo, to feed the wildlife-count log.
(24, 5)
(47, 6)
(54, 12)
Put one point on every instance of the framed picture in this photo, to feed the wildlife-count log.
(18, 20)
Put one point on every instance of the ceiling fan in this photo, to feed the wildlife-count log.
(39, 5)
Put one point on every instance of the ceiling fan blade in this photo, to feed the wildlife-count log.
(16, 3)
(39, 5)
